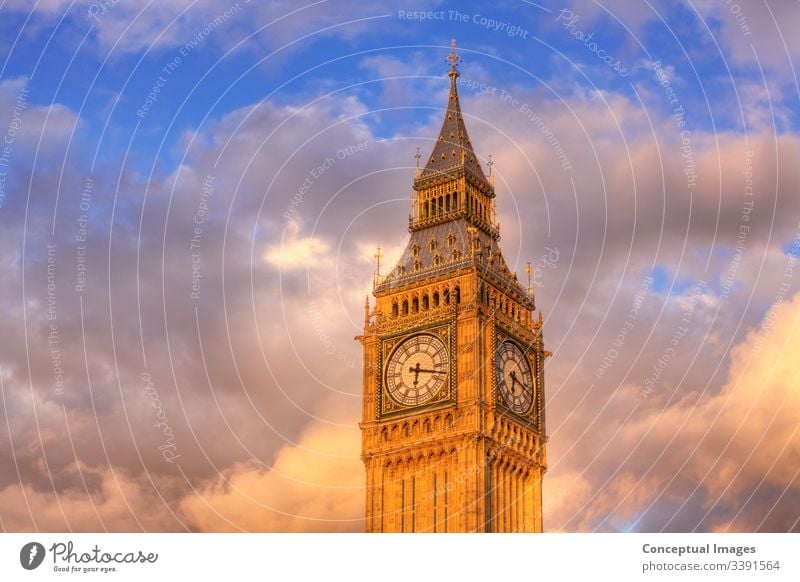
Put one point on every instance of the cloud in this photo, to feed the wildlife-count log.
(106, 500)
(237, 372)
(316, 484)
(753, 32)
(191, 24)
(295, 252)
(726, 461)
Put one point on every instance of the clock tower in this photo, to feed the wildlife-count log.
(453, 433)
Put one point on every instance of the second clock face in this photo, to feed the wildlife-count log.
(514, 379)
(417, 370)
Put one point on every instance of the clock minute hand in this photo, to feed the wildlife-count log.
(432, 371)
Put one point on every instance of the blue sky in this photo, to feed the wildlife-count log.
(68, 60)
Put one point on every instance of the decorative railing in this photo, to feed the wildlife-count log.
(451, 172)
(419, 223)
(389, 323)
(383, 282)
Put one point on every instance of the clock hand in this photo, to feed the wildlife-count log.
(416, 370)
(432, 371)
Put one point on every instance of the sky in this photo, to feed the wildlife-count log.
(192, 192)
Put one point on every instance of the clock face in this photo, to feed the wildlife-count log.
(417, 370)
(514, 379)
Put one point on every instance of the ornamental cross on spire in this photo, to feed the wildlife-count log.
(453, 58)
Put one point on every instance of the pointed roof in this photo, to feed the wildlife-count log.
(453, 147)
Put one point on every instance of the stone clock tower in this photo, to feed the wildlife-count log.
(453, 410)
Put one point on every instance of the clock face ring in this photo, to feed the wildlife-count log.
(513, 377)
(417, 369)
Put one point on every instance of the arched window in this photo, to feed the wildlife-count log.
(425, 209)
(425, 301)
(436, 299)
(437, 260)
(451, 240)
(458, 294)
(447, 203)
(415, 305)
(446, 296)
(394, 309)
(455, 200)
(441, 204)
(456, 255)
(405, 306)
(417, 265)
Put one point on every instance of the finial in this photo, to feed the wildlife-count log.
(490, 163)
(418, 156)
(366, 311)
(541, 319)
(529, 270)
(473, 237)
(453, 59)
(378, 256)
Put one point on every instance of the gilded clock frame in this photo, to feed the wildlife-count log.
(386, 407)
(499, 335)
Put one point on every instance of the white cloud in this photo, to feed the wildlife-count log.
(316, 484)
(731, 459)
(295, 252)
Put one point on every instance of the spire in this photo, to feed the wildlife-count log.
(453, 147)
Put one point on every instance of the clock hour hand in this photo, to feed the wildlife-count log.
(416, 371)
